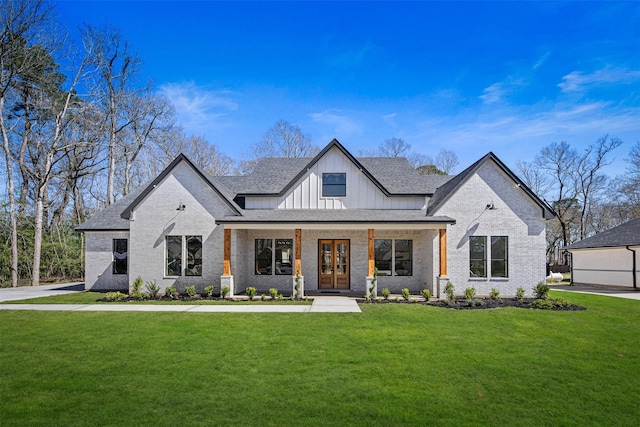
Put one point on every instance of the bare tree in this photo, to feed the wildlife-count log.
(19, 21)
(200, 152)
(116, 65)
(628, 194)
(446, 161)
(283, 139)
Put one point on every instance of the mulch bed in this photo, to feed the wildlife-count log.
(477, 304)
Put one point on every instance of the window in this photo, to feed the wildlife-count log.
(174, 256)
(280, 256)
(393, 257)
(284, 252)
(120, 256)
(194, 256)
(383, 254)
(263, 256)
(478, 256)
(404, 257)
(334, 184)
(499, 256)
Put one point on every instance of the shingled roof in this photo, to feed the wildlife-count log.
(627, 234)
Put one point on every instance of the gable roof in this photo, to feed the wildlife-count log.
(627, 234)
(274, 176)
(217, 186)
(109, 219)
(449, 188)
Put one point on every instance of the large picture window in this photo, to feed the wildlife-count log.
(393, 257)
(120, 256)
(284, 255)
(334, 184)
(194, 256)
(499, 256)
(264, 256)
(174, 256)
(478, 256)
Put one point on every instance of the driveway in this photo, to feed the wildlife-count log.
(26, 292)
(610, 291)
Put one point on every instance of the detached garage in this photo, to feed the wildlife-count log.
(608, 258)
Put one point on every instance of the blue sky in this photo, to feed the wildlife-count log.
(472, 77)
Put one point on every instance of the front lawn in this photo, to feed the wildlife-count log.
(394, 364)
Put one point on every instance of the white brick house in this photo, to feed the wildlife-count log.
(331, 219)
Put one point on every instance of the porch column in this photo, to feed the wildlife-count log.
(227, 277)
(443, 279)
(298, 278)
(371, 282)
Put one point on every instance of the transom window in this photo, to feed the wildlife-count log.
(393, 257)
(334, 184)
(498, 256)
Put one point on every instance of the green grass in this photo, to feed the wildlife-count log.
(391, 365)
(96, 297)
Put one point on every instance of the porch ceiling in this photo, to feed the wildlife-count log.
(344, 219)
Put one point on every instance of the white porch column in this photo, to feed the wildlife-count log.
(227, 278)
(371, 265)
(443, 278)
(298, 278)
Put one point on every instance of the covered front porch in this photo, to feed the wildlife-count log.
(334, 257)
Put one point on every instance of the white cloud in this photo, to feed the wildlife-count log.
(497, 92)
(199, 109)
(339, 124)
(577, 81)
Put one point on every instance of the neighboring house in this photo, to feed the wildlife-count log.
(331, 219)
(608, 258)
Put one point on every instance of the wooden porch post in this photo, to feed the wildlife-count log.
(298, 264)
(443, 252)
(227, 252)
(371, 253)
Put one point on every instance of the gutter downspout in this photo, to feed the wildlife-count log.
(633, 268)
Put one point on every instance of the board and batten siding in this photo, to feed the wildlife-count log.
(362, 193)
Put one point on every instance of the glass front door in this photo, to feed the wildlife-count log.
(333, 264)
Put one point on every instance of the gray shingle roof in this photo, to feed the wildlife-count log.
(627, 234)
(109, 218)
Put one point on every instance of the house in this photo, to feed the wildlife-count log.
(327, 221)
(608, 258)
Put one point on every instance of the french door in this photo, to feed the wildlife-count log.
(333, 264)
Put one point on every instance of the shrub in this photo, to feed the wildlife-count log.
(137, 285)
(494, 294)
(449, 291)
(541, 290)
(152, 289)
(136, 291)
(559, 302)
(273, 292)
(263, 297)
(386, 293)
(209, 291)
(469, 293)
(190, 291)
(280, 297)
(224, 291)
(520, 294)
(171, 292)
(251, 292)
(543, 304)
(397, 299)
(405, 294)
(426, 293)
(114, 296)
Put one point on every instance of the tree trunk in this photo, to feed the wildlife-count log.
(12, 202)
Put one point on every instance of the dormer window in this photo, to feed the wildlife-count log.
(334, 185)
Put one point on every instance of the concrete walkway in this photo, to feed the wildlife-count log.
(320, 304)
(609, 291)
